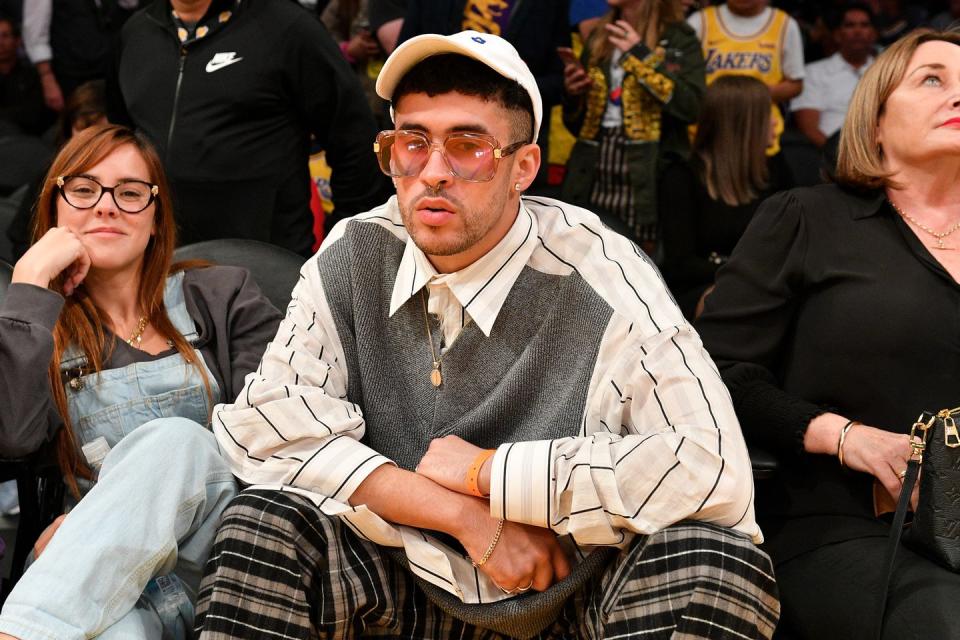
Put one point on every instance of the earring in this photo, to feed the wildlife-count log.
(517, 187)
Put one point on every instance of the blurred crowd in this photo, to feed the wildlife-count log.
(267, 136)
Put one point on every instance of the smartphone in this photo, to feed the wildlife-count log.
(566, 54)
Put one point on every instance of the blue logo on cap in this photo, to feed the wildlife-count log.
(478, 40)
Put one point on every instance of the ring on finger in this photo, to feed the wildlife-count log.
(902, 475)
(526, 588)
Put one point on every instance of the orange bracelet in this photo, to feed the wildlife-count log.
(473, 473)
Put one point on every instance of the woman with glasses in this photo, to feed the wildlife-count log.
(629, 101)
(113, 359)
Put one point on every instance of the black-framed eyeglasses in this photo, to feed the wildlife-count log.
(130, 196)
(470, 156)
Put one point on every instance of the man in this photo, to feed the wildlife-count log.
(70, 41)
(475, 404)
(231, 93)
(829, 83)
(747, 37)
(21, 100)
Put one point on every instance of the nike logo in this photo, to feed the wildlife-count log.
(221, 60)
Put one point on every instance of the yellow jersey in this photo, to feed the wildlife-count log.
(759, 55)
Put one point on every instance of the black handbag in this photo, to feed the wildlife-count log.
(935, 529)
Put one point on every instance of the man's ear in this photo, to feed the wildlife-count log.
(526, 165)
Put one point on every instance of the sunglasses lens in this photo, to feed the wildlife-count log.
(470, 158)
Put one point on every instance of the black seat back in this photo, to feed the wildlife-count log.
(273, 268)
(6, 272)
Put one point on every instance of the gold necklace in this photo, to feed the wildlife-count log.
(939, 235)
(137, 336)
(435, 376)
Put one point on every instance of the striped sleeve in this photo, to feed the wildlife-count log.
(660, 443)
(291, 423)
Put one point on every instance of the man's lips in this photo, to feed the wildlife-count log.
(435, 211)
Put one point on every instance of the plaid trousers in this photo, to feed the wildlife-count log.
(281, 569)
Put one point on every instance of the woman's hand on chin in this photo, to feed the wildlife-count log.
(59, 251)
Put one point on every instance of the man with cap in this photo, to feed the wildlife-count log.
(483, 415)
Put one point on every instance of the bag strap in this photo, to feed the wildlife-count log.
(893, 540)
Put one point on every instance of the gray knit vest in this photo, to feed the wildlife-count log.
(527, 381)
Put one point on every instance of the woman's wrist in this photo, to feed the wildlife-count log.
(25, 274)
(823, 433)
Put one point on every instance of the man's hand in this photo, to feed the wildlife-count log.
(526, 557)
(46, 536)
(52, 95)
(447, 461)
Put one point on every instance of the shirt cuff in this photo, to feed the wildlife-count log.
(520, 479)
(32, 304)
(39, 53)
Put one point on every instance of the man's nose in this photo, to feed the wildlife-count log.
(436, 170)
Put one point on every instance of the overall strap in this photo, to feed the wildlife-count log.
(176, 307)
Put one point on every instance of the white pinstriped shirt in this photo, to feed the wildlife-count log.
(659, 440)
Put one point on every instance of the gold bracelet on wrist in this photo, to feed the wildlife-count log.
(493, 544)
(843, 437)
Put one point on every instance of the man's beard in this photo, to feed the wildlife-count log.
(473, 227)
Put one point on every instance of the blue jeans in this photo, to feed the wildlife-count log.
(153, 511)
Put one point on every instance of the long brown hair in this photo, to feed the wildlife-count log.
(83, 324)
(654, 17)
(860, 157)
(733, 132)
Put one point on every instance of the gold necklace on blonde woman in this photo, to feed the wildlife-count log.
(939, 235)
(136, 338)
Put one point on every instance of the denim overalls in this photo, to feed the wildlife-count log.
(127, 561)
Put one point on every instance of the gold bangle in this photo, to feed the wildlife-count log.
(493, 543)
(843, 437)
(472, 481)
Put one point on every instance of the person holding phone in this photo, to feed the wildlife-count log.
(629, 99)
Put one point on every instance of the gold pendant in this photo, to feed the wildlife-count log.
(435, 376)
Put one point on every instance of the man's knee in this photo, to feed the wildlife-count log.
(707, 573)
(266, 519)
(711, 553)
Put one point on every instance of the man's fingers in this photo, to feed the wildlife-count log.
(543, 576)
(561, 565)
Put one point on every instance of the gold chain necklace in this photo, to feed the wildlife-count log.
(137, 336)
(436, 378)
(939, 235)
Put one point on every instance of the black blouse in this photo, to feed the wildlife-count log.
(830, 302)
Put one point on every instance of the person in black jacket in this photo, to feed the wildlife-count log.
(834, 325)
(231, 93)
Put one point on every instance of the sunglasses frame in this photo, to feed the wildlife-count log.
(440, 145)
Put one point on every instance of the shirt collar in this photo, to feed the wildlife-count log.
(867, 203)
(482, 287)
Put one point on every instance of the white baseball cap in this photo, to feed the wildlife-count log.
(491, 50)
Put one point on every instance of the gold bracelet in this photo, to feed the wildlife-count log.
(493, 544)
(843, 436)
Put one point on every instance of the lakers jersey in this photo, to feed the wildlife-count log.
(759, 55)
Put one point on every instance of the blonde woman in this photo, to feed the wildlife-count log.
(707, 202)
(834, 324)
(629, 100)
